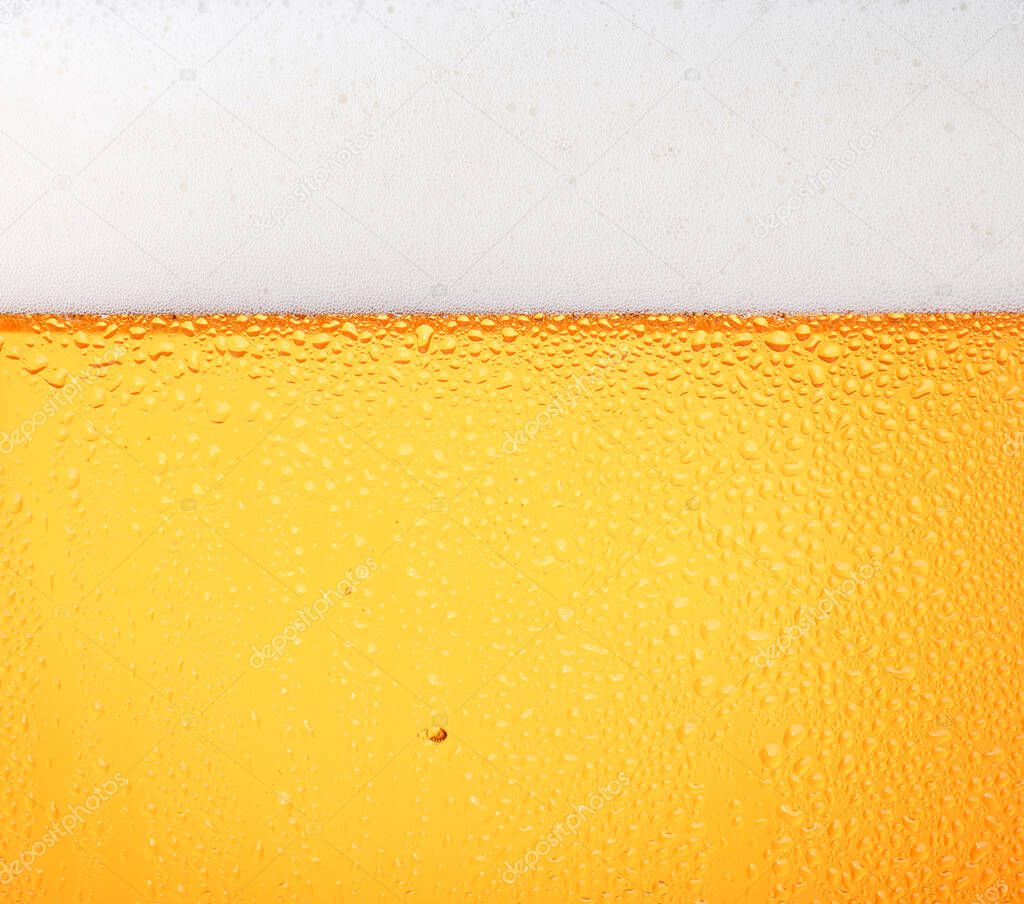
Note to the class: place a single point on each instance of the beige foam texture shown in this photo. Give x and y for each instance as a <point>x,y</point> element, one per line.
<point>397,155</point>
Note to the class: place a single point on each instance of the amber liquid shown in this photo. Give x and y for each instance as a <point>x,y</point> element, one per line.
<point>512,609</point>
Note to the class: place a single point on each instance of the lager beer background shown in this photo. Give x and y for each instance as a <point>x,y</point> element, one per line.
<point>659,608</point>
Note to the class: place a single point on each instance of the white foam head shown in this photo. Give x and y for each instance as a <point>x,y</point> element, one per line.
<point>401,155</point>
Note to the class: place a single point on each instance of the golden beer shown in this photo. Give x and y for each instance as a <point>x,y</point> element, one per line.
<point>512,608</point>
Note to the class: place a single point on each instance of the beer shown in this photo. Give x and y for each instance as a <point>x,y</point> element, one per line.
<point>512,608</point>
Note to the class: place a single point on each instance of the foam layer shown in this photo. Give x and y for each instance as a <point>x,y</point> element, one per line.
<point>383,156</point>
